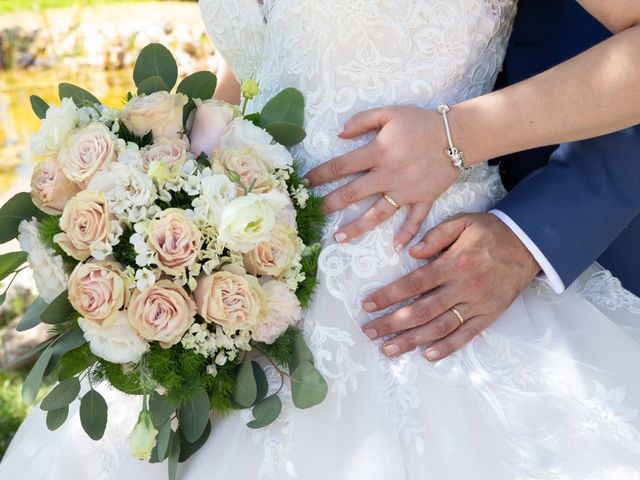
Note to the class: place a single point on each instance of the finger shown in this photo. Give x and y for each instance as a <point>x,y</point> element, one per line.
<point>418,282</point>
<point>348,164</point>
<point>420,312</point>
<point>364,122</point>
<point>439,238</point>
<point>412,225</point>
<point>361,188</point>
<point>380,212</point>
<point>459,338</point>
<point>436,329</point>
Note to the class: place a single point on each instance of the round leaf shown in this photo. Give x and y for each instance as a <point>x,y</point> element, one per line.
<point>266,412</point>
<point>287,134</point>
<point>39,106</point>
<point>55,418</point>
<point>93,414</point>
<point>31,317</point>
<point>152,85</point>
<point>194,415</point>
<point>9,263</point>
<point>61,395</point>
<point>58,311</point>
<point>80,96</point>
<point>262,383</point>
<point>246,390</point>
<point>301,353</point>
<point>308,387</point>
<point>187,449</point>
<point>70,340</point>
<point>161,408</point>
<point>287,107</point>
<point>33,382</point>
<point>18,208</point>
<point>156,60</point>
<point>200,85</point>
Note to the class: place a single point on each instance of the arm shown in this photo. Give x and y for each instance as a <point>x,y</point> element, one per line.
<point>228,88</point>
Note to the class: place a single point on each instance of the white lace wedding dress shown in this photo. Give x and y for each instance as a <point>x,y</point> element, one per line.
<point>550,391</point>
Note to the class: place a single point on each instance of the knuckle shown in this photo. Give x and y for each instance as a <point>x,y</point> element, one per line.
<point>377,215</point>
<point>413,284</point>
<point>336,168</point>
<point>349,194</point>
<point>465,261</point>
<point>441,329</point>
<point>423,314</point>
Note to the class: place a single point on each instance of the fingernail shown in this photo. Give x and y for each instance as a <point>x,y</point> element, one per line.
<point>399,247</point>
<point>419,246</point>
<point>371,333</point>
<point>340,237</point>
<point>305,181</point>
<point>391,349</point>
<point>433,355</point>
<point>340,131</point>
<point>370,306</point>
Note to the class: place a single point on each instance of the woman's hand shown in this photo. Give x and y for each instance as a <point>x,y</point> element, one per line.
<point>407,161</point>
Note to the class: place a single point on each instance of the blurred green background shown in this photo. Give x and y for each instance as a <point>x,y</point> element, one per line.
<point>90,43</point>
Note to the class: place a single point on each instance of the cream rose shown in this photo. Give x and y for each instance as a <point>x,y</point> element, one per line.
<point>170,151</point>
<point>59,122</point>
<point>175,239</point>
<point>243,133</point>
<point>283,311</point>
<point>254,173</point>
<point>211,119</point>
<point>85,151</point>
<point>50,189</point>
<point>116,343</point>
<point>249,220</point>
<point>234,301</point>
<point>163,313</point>
<point>97,292</point>
<point>160,113</point>
<point>84,223</point>
<point>275,256</point>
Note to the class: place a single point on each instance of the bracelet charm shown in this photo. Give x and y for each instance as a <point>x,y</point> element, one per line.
<point>456,156</point>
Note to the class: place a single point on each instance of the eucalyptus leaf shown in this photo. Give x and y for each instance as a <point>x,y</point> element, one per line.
<point>162,443</point>
<point>58,311</point>
<point>80,96</point>
<point>61,395</point>
<point>30,353</point>
<point>3,297</point>
<point>262,383</point>
<point>187,449</point>
<point>254,118</point>
<point>301,353</point>
<point>156,60</point>
<point>200,85</point>
<point>161,408</point>
<point>152,85</point>
<point>33,382</point>
<point>9,263</point>
<point>308,387</point>
<point>246,390</point>
<point>56,418</point>
<point>266,412</point>
<point>31,317</point>
<point>194,415</point>
<point>174,456</point>
<point>287,134</point>
<point>287,107</point>
<point>18,208</point>
<point>39,106</point>
<point>70,340</point>
<point>93,414</point>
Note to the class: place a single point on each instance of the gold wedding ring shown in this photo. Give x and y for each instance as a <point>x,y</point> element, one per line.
<point>391,201</point>
<point>457,313</point>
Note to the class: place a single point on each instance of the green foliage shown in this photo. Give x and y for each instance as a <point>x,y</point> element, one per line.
<point>156,60</point>
<point>93,414</point>
<point>17,208</point>
<point>75,361</point>
<point>246,390</point>
<point>128,136</point>
<point>121,378</point>
<point>221,388</point>
<point>39,106</point>
<point>266,412</point>
<point>309,263</point>
<point>49,227</point>
<point>308,386</point>
<point>124,252</point>
<point>281,352</point>
<point>283,117</point>
<point>80,96</point>
<point>12,409</point>
<point>18,302</point>
<point>152,85</point>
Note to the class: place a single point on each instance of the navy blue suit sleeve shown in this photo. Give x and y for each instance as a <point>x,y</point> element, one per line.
<point>577,205</point>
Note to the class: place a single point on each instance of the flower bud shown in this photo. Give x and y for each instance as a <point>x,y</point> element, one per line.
<point>143,437</point>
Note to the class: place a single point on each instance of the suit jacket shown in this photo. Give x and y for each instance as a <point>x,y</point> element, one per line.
<point>579,202</point>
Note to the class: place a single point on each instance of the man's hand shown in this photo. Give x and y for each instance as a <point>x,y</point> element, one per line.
<point>481,269</point>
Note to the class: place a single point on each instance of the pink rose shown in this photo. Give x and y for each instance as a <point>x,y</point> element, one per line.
<point>254,173</point>
<point>163,313</point>
<point>283,311</point>
<point>160,113</point>
<point>97,292</point>
<point>228,299</point>
<point>170,151</point>
<point>85,151</point>
<point>176,240</point>
<point>84,223</point>
<point>275,256</point>
<point>50,189</point>
<point>211,119</point>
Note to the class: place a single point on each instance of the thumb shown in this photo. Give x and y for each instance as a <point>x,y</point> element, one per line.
<point>439,238</point>
<point>364,122</point>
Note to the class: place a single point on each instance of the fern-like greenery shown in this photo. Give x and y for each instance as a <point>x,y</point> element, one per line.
<point>74,362</point>
<point>309,263</point>
<point>281,352</point>
<point>221,388</point>
<point>311,219</point>
<point>124,252</point>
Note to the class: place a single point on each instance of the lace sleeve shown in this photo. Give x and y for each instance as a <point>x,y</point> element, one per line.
<point>237,29</point>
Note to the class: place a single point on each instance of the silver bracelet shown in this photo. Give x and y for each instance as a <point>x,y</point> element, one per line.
<point>456,156</point>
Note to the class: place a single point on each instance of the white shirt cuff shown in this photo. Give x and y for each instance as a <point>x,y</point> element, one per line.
<point>549,274</point>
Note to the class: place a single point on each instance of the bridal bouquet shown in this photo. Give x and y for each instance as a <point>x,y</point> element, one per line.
<point>173,245</point>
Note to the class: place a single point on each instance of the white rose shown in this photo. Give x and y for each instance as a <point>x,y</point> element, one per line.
<point>243,133</point>
<point>249,220</point>
<point>46,267</point>
<point>87,150</point>
<point>283,311</point>
<point>116,343</point>
<point>125,187</point>
<point>60,120</point>
<point>160,113</point>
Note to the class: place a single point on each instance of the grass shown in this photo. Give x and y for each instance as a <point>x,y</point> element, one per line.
<point>18,5</point>
<point>12,408</point>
